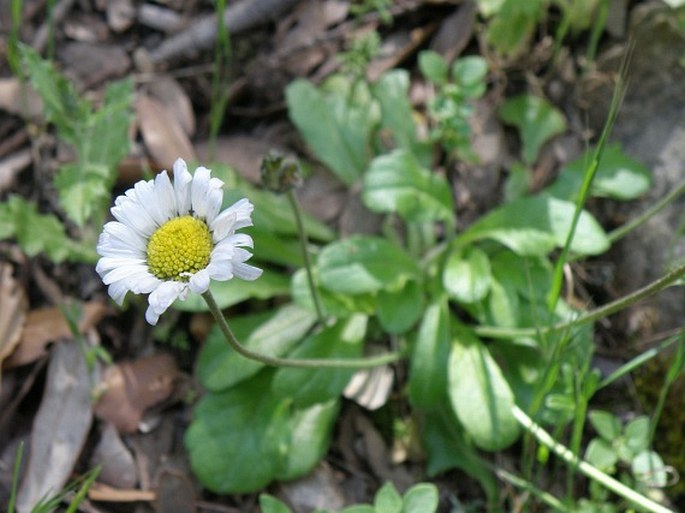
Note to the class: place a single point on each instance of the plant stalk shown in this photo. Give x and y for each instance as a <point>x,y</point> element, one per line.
<point>302,235</point>
<point>605,480</point>
<point>308,363</point>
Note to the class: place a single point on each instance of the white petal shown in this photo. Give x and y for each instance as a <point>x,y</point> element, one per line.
<point>107,263</point>
<point>125,272</point>
<point>240,240</point>
<point>199,282</point>
<point>246,271</point>
<point>117,291</point>
<point>225,223</point>
<point>117,235</point>
<point>182,179</point>
<point>145,192</point>
<point>133,215</point>
<point>198,191</point>
<point>166,194</point>
<point>220,271</point>
<point>161,298</point>
<point>215,198</point>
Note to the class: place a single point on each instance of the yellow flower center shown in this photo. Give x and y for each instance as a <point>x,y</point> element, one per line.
<point>179,248</point>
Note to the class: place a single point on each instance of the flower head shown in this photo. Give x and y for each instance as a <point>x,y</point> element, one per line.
<point>170,238</point>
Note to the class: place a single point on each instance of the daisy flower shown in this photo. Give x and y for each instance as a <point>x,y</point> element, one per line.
<point>169,238</point>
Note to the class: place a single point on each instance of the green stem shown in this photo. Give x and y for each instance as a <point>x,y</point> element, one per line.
<point>591,316</point>
<point>524,484</point>
<point>302,234</point>
<point>592,472</point>
<point>311,363</point>
<point>623,230</point>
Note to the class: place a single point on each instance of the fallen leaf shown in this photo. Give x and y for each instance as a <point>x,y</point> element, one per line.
<point>11,166</point>
<point>12,311</point>
<point>60,426</point>
<point>244,153</point>
<point>163,134</point>
<point>18,99</point>
<point>44,326</point>
<point>370,388</point>
<point>120,14</point>
<point>167,90</point>
<point>131,387</point>
<point>118,467</point>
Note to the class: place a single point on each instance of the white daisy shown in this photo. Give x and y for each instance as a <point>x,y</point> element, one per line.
<point>170,238</point>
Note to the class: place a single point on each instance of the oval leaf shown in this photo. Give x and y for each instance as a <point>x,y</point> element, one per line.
<point>399,310</point>
<point>467,275</point>
<point>479,394</point>
<point>397,183</point>
<point>363,264</point>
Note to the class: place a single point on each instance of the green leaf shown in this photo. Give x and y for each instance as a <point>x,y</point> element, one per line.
<point>503,304</point>
<point>237,438</point>
<point>309,386</point>
<point>310,431</point>
<point>392,93</point>
<point>649,469</point>
<point>274,334</point>
<point>359,508</point>
<point>606,424</point>
<point>467,275</point>
<point>601,454</point>
<point>270,504</point>
<point>387,499</point>
<point>335,305</point>
<point>469,72</point>
<point>433,66</point>
<point>428,371</point>
<point>479,394</point>
<point>637,434</point>
<point>513,25</point>
<point>336,131</point>
<point>421,498</point>
<point>61,103</point>
<point>534,226</point>
<point>618,177</point>
<point>397,183</point>
<point>537,121</point>
<point>231,292</point>
<point>40,233</point>
<point>399,310</point>
<point>364,264</point>
<point>447,448</point>
<point>81,191</point>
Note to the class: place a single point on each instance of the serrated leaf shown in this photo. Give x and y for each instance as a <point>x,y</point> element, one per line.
<point>40,233</point>
<point>309,386</point>
<point>479,394</point>
<point>396,182</point>
<point>537,121</point>
<point>363,264</point>
<point>336,131</point>
<point>274,334</point>
<point>428,371</point>
<point>237,438</point>
<point>469,72</point>
<point>81,191</point>
<point>533,226</point>
<point>467,275</point>
<point>310,436</point>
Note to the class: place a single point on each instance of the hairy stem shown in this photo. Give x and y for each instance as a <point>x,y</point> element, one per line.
<point>311,363</point>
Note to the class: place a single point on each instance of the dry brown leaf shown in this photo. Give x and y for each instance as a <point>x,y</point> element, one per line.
<point>18,102</point>
<point>44,326</point>
<point>118,467</point>
<point>13,308</point>
<point>120,14</point>
<point>167,90</point>
<point>132,387</point>
<point>60,426</point>
<point>370,388</point>
<point>12,165</point>
<point>244,153</point>
<point>163,134</point>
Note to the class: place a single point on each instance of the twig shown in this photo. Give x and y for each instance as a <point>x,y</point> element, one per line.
<point>238,17</point>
